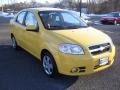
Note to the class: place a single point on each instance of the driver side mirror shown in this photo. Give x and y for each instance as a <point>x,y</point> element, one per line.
<point>31,28</point>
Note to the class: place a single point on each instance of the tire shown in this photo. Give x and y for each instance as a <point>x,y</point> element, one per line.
<point>104,23</point>
<point>48,64</point>
<point>14,43</point>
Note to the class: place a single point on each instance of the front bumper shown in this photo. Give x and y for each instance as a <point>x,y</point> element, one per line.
<point>87,63</point>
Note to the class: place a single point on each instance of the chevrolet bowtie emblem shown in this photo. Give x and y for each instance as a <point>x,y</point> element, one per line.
<point>102,48</point>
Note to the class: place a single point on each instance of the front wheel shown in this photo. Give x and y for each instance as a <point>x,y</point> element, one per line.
<point>49,65</point>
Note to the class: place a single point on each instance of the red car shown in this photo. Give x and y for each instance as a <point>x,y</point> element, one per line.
<point>112,18</point>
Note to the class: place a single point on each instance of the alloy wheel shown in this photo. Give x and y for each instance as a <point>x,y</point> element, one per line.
<point>47,65</point>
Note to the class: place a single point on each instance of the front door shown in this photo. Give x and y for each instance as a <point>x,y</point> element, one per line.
<point>32,38</point>
<point>19,28</point>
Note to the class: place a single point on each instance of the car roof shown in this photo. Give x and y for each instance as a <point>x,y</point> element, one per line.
<point>45,9</point>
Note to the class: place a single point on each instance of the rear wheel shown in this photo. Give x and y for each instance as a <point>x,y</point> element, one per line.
<point>49,65</point>
<point>14,43</point>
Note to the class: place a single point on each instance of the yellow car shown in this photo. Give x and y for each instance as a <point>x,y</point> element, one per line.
<point>62,41</point>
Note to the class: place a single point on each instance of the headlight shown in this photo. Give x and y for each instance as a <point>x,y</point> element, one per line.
<point>71,49</point>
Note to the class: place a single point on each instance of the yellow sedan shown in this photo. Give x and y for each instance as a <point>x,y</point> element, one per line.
<point>62,41</point>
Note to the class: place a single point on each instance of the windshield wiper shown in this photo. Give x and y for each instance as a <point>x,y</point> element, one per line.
<point>56,27</point>
<point>72,27</point>
<point>64,27</point>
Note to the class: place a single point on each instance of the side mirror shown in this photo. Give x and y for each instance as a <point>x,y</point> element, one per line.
<point>31,28</point>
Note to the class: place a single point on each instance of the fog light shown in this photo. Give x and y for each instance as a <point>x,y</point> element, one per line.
<point>75,70</point>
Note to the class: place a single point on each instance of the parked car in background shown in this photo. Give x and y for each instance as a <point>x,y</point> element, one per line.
<point>112,18</point>
<point>63,42</point>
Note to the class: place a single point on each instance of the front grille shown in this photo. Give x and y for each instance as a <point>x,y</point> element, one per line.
<point>99,49</point>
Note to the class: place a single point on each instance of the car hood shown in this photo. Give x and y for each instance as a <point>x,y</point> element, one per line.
<point>85,36</point>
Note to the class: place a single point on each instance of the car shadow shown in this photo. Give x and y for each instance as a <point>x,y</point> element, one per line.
<point>21,71</point>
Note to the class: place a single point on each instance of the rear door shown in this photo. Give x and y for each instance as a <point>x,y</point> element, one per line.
<point>19,28</point>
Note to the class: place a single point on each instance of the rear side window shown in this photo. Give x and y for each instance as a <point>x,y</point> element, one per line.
<point>20,17</point>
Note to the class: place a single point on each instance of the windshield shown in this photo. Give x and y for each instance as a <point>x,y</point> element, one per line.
<point>114,14</point>
<point>56,20</point>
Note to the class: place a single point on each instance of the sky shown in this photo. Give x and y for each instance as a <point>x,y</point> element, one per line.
<point>41,1</point>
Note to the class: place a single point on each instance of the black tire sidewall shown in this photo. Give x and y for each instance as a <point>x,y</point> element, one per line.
<point>17,47</point>
<point>55,70</point>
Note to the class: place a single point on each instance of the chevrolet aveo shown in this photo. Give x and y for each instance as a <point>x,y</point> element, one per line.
<point>62,41</point>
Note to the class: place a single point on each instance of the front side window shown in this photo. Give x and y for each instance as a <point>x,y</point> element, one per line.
<point>20,17</point>
<point>56,20</point>
<point>30,20</point>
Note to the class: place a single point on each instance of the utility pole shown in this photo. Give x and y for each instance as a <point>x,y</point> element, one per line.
<point>80,6</point>
<point>2,5</point>
<point>88,6</point>
<point>59,2</point>
<point>2,8</point>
